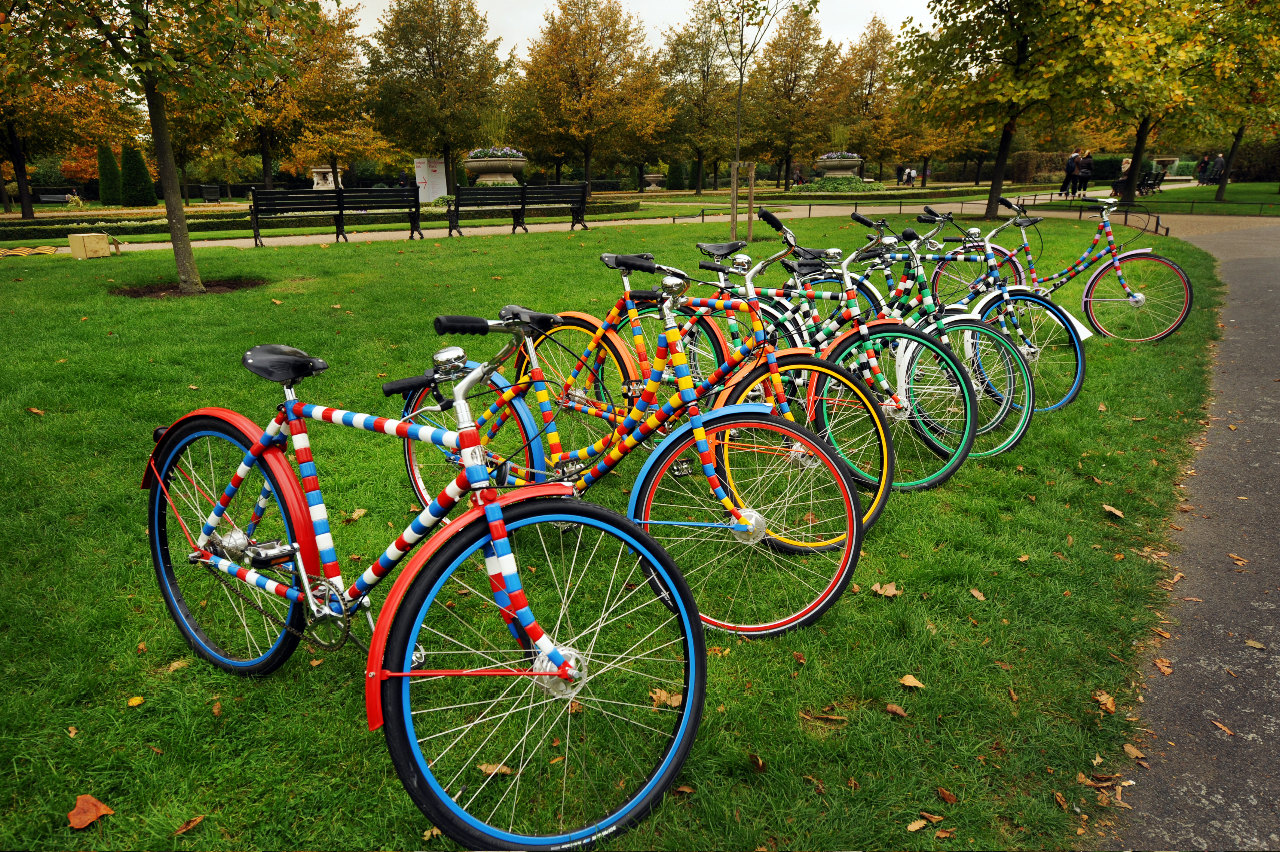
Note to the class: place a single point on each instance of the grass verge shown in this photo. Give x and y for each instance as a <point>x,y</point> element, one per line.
<point>1006,719</point>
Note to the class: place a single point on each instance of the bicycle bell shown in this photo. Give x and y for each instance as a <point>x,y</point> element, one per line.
<point>832,254</point>
<point>741,262</point>
<point>674,286</point>
<point>449,362</point>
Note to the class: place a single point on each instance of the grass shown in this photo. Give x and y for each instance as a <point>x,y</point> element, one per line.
<point>1005,720</point>
<point>1242,199</point>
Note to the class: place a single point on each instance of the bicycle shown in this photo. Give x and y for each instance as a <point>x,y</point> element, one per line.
<point>762,512</point>
<point>1137,295</point>
<point>508,730</point>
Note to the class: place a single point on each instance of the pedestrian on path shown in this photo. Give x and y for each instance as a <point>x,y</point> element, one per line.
<point>901,170</point>
<point>1068,182</point>
<point>1084,171</point>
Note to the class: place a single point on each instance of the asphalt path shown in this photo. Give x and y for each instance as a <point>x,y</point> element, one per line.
<point>1210,788</point>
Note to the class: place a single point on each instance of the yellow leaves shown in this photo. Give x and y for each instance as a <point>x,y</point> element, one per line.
<point>1113,510</point>
<point>432,833</point>
<point>1133,751</point>
<point>910,681</point>
<point>1223,727</point>
<point>888,590</point>
<point>662,698</point>
<point>1165,667</point>
<point>178,664</point>
<point>895,710</point>
<point>916,825</point>
<point>1105,701</point>
<point>189,824</point>
<point>136,701</point>
<point>37,412</point>
<point>977,594</point>
<point>1254,643</point>
<point>87,811</point>
<point>1060,799</point>
<point>494,769</point>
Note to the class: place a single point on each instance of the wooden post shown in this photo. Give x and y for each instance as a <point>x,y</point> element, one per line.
<point>733,200</point>
<point>751,197</point>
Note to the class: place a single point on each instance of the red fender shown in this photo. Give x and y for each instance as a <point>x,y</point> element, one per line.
<point>378,645</point>
<point>294,500</point>
<point>623,348</point>
<point>747,366</point>
<point>873,323</point>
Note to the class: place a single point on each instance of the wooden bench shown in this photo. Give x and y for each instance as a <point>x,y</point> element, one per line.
<point>517,200</point>
<point>266,204</point>
<point>1150,182</point>
<point>52,199</point>
<point>211,193</point>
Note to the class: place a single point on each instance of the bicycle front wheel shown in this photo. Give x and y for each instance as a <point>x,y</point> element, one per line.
<point>238,626</point>
<point>802,549</point>
<point>1002,384</point>
<point>536,762</point>
<point>1160,303</point>
<point>1046,337</point>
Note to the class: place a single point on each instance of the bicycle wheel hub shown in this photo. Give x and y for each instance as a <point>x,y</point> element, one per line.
<point>558,686</point>
<point>802,458</point>
<point>756,521</point>
<point>233,544</point>
<point>1138,299</point>
<point>1031,353</point>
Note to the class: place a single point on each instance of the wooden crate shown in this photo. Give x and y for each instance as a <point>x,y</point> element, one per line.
<point>84,246</point>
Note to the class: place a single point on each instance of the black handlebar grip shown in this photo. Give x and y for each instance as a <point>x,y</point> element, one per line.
<point>461,325</point>
<point>926,220</point>
<point>932,212</point>
<point>404,386</point>
<point>954,239</point>
<point>712,266</point>
<point>771,220</point>
<point>862,220</point>
<point>910,235</point>
<point>1004,202</point>
<point>637,264</point>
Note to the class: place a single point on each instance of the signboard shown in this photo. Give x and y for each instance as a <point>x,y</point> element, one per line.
<point>429,175</point>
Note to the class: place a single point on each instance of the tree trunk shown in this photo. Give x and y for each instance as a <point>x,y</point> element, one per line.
<point>264,151</point>
<point>715,175</point>
<point>786,180</point>
<point>698,181</point>
<point>640,181</point>
<point>924,172</point>
<point>18,157</point>
<point>586,166</point>
<point>1221,194</point>
<point>450,172</point>
<point>559,163</point>
<point>1130,188</point>
<point>997,171</point>
<point>184,257</point>
<point>4,196</point>
<point>977,171</point>
<point>733,199</point>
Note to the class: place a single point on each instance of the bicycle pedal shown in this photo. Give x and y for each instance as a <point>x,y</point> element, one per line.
<point>269,554</point>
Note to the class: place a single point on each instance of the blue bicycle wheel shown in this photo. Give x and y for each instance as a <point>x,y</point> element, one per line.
<point>1048,340</point>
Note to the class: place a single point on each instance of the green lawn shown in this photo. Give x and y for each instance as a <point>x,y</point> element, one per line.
<point>1005,721</point>
<point>1242,199</point>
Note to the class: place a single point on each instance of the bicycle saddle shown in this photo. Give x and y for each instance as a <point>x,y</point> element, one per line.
<point>804,268</point>
<point>611,260</point>
<point>1028,221</point>
<point>278,363</point>
<point>719,251</point>
<point>531,320</point>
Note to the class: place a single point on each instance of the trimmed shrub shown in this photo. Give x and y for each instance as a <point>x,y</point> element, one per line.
<point>460,176</point>
<point>136,187</point>
<point>108,177</point>
<point>675,176</point>
<point>840,185</point>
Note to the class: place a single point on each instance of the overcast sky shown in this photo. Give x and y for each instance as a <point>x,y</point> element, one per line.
<point>516,21</point>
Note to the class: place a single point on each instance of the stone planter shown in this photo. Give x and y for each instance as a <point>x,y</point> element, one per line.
<point>322,177</point>
<point>654,180</point>
<point>495,169</point>
<point>842,168</point>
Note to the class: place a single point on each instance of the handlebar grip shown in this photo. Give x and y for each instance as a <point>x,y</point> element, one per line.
<point>771,220</point>
<point>862,220</point>
<point>712,266</point>
<point>1004,202</point>
<point>954,239</point>
<point>461,325</point>
<point>637,264</point>
<point>932,212</point>
<point>910,235</point>
<point>405,386</point>
<point>926,220</point>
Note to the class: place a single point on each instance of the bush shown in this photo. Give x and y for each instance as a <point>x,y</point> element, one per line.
<point>1025,165</point>
<point>108,177</point>
<point>1185,168</point>
<point>840,185</point>
<point>1106,167</point>
<point>460,176</point>
<point>675,176</point>
<point>136,187</point>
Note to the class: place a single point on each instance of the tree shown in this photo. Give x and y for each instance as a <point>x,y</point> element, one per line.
<point>794,87</point>
<point>871,97</point>
<point>590,80</point>
<point>153,47</point>
<point>137,189</point>
<point>108,177</point>
<point>698,90</point>
<point>998,62</point>
<point>431,87</point>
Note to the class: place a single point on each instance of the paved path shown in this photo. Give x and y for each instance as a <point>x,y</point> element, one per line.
<point>1207,789</point>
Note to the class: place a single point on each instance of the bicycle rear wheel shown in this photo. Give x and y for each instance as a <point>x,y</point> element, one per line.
<point>1160,304</point>
<point>802,551</point>
<point>1046,337</point>
<point>239,627</point>
<point>1002,385</point>
<point>953,280</point>
<point>532,762</point>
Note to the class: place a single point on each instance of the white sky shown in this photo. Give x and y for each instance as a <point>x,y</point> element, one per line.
<point>516,21</point>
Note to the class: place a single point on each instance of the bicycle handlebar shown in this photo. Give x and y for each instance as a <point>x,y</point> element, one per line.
<point>771,220</point>
<point>447,324</point>
<point>711,266</point>
<point>406,386</point>
<point>862,220</point>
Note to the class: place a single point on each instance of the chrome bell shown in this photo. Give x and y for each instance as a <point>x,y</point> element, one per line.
<point>449,362</point>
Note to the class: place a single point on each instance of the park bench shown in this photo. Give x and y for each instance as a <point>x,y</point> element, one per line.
<point>52,199</point>
<point>268,204</point>
<point>211,193</point>
<point>1150,182</point>
<point>517,200</point>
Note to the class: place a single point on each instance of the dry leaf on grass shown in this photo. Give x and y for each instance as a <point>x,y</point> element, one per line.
<point>1133,751</point>
<point>757,763</point>
<point>818,786</point>
<point>1105,701</point>
<point>977,594</point>
<point>356,515</point>
<point>888,590</point>
<point>494,768</point>
<point>1097,759</point>
<point>799,657</point>
<point>1013,696</point>
<point>910,680</point>
<point>71,732</point>
<point>916,825</point>
<point>895,710</point>
<point>1163,634</point>
<point>931,817</point>
<point>1060,799</point>
<point>178,664</point>
<point>1224,728</point>
<point>432,833</point>
<point>944,834</point>
<point>1113,510</point>
<point>136,701</point>
<point>1024,558</point>
<point>683,790</point>
<point>947,796</point>
<point>87,811</point>
<point>36,412</point>
<point>217,708</point>
<point>662,697</point>
<point>190,824</point>
<point>1102,406</point>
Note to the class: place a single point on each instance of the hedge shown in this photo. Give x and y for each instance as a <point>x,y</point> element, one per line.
<point>136,187</point>
<point>108,176</point>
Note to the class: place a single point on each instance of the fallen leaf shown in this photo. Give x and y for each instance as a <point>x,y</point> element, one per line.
<point>1224,727</point>
<point>1194,600</point>
<point>1133,751</point>
<point>1163,664</point>
<point>1071,542</point>
<point>683,790</point>
<point>190,824</point>
<point>799,657</point>
<point>315,663</point>
<point>916,825</point>
<point>1060,799</point>
<point>1254,643</point>
<point>757,762</point>
<point>194,387</point>
<point>217,708</point>
<point>1013,696</point>
<point>156,750</point>
<point>557,758</point>
<point>1102,406</point>
<point>432,833</point>
<point>1113,510</point>
<point>1023,558</point>
<point>854,785</point>
<point>977,594</point>
<point>575,707</point>
<point>1239,560</point>
<point>36,412</point>
<point>72,731</point>
<point>142,647</point>
<point>910,680</point>
<point>818,786</point>
<point>1164,634</point>
<point>178,664</point>
<point>662,697</point>
<point>494,768</point>
<point>1105,701</point>
<point>87,810</point>
<point>136,700</point>
<point>931,817</point>
<point>276,302</point>
<point>355,516</point>
<point>1232,428</point>
<point>1176,527</point>
<point>947,796</point>
<point>1097,759</point>
<point>944,834</point>
<point>895,710</point>
<point>889,590</point>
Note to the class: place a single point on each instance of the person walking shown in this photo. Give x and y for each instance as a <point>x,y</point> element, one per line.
<point>901,170</point>
<point>1202,169</point>
<point>1084,171</point>
<point>1068,182</point>
<point>1219,166</point>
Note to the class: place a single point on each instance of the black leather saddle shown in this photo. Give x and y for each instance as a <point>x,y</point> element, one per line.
<point>719,251</point>
<point>278,363</point>
<point>805,268</point>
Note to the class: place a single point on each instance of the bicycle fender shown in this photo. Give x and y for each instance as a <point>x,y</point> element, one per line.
<point>980,308</point>
<point>424,554</point>
<point>747,367</point>
<point>275,459</point>
<point>709,419</point>
<point>623,348</point>
<point>875,323</point>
